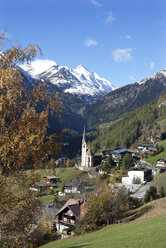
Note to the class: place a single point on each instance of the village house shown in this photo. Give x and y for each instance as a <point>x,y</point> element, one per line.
<point>39,186</point>
<point>154,139</point>
<point>71,187</point>
<point>49,182</point>
<point>50,179</point>
<point>138,172</point>
<point>160,169</point>
<point>68,216</point>
<point>147,148</point>
<point>118,155</point>
<point>106,152</point>
<point>161,162</point>
<point>134,153</point>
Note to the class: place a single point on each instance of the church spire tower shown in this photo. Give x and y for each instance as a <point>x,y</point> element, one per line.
<point>84,136</point>
<point>87,159</point>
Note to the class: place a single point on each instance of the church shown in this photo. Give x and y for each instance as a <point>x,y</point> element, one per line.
<point>87,157</point>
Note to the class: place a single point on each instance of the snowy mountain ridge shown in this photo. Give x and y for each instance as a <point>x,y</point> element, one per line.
<point>79,81</point>
<point>158,75</point>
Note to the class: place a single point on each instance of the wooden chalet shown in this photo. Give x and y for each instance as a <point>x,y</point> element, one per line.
<point>67,217</point>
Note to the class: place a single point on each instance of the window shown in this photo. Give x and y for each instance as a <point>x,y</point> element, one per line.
<point>72,221</point>
<point>65,219</point>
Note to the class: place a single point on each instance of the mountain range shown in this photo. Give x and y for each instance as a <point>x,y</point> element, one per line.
<point>79,81</point>
<point>126,99</point>
<point>90,99</point>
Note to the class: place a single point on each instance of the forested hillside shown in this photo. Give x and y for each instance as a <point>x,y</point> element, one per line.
<point>125,99</point>
<point>136,126</point>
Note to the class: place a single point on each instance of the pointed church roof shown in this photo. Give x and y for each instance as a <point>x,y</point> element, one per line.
<point>84,136</point>
<point>89,153</point>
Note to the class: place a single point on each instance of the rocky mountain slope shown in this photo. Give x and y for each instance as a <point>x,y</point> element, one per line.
<point>125,99</point>
<point>78,87</point>
<point>80,81</point>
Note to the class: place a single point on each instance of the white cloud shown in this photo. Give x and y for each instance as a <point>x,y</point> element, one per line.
<point>151,65</point>
<point>132,78</point>
<point>122,55</point>
<point>128,37</point>
<point>89,42</point>
<point>96,3</point>
<point>109,18</point>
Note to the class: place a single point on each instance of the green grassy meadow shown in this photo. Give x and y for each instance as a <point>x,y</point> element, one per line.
<point>153,159</point>
<point>162,122</point>
<point>162,181</point>
<point>141,234</point>
<point>64,174</point>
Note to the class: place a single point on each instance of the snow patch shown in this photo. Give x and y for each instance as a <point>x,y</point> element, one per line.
<point>79,81</point>
<point>38,66</point>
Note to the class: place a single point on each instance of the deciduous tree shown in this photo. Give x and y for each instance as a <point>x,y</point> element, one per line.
<point>24,143</point>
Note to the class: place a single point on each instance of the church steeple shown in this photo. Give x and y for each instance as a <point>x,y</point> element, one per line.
<point>83,137</point>
<point>87,159</point>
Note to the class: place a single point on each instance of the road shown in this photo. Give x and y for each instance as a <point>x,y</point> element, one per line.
<point>140,193</point>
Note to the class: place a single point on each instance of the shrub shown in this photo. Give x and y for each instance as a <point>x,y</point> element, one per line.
<point>162,192</point>
<point>136,180</point>
<point>151,194</point>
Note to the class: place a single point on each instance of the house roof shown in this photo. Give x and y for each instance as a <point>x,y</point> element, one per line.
<point>135,169</point>
<point>106,151</point>
<point>161,167</point>
<point>68,203</point>
<point>75,209</point>
<point>71,183</point>
<point>119,151</point>
<point>162,159</point>
<point>146,145</point>
<point>50,177</point>
<point>41,184</point>
<point>140,168</point>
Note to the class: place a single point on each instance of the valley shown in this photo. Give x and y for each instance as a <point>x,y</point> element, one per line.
<point>73,182</point>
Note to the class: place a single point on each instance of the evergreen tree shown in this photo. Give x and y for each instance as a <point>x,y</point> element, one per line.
<point>151,194</point>
<point>127,161</point>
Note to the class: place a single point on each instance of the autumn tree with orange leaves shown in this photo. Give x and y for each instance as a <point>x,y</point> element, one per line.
<point>24,143</point>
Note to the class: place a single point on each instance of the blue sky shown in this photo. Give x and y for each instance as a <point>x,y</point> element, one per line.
<point>122,40</point>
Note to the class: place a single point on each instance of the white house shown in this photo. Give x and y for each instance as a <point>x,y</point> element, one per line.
<point>133,174</point>
<point>161,162</point>
<point>71,187</point>
<point>140,172</point>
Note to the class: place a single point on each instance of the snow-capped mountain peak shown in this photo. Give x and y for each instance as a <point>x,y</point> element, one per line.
<point>38,66</point>
<point>158,75</point>
<point>79,81</point>
<point>81,69</point>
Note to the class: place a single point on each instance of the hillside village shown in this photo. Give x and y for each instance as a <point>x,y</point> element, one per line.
<point>82,124</point>
<point>136,178</point>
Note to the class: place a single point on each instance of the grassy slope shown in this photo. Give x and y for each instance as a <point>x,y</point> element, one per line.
<point>162,122</point>
<point>162,181</point>
<point>153,159</point>
<point>64,174</point>
<point>146,232</point>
